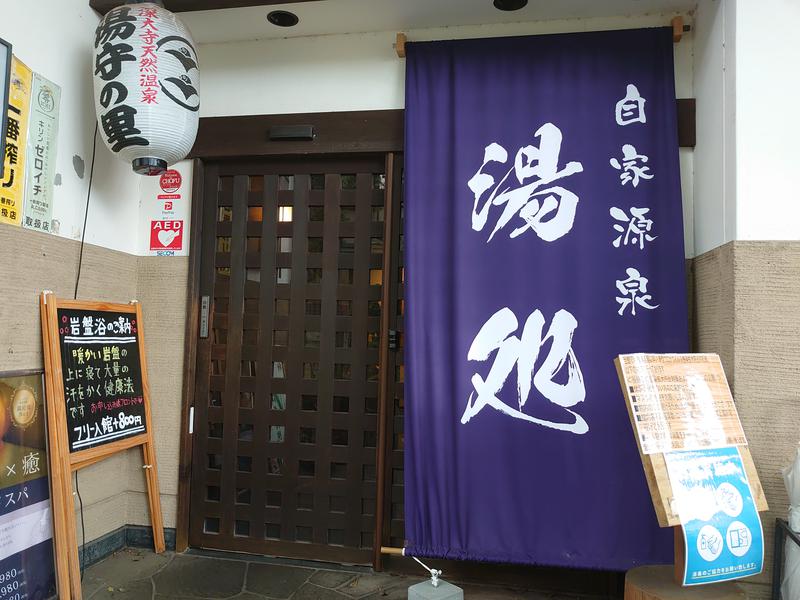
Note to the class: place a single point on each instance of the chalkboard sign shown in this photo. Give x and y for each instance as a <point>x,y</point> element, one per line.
<point>98,404</point>
<point>102,375</point>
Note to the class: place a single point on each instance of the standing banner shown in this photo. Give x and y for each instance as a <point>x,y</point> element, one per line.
<point>544,237</point>
<point>41,158</point>
<point>12,184</point>
<point>27,569</point>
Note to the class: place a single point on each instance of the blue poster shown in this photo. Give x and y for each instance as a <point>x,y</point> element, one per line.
<point>721,527</point>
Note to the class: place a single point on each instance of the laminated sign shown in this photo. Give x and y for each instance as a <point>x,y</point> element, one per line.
<point>722,530</point>
<point>41,159</point>
<point>680,402</point>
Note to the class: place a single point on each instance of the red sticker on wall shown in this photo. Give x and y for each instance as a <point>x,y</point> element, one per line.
<point>171,181</point>
<point>166,235</point>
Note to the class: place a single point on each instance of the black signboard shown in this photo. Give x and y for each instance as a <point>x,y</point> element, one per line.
<point>102,376</point>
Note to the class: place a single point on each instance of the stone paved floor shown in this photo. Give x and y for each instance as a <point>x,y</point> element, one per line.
<point>134,574</point>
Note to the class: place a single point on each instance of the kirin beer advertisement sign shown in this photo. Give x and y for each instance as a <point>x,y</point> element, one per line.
<point>166,204</point>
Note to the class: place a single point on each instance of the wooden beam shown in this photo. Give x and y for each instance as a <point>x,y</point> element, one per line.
<point>400,45</point>
<point>677,29</point>
<point>339,133</point>
<point>103,6</point>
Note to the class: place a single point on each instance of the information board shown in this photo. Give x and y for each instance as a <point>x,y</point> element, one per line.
<point>27,569</point>
<point>698,467</point>
<point>680,402</point>
<point>102,375</point>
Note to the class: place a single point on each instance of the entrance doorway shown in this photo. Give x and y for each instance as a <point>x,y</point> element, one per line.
<point>297,271</point>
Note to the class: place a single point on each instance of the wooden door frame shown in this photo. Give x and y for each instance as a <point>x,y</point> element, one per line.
<point>247,137</point>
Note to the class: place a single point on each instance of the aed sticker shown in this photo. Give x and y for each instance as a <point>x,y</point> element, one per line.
<point>166,235</point>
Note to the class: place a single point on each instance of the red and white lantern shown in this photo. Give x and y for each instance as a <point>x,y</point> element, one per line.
<point>146,82</point>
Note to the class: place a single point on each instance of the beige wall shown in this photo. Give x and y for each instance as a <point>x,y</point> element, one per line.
<point>747,299</point>
<point>162,284</point>
<point>112,490</point>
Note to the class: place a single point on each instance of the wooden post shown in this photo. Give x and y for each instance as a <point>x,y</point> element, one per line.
<point>58,448</point>
<point>677,29</point>
<point>680,555</point>
<point>384,404</point>
<point>400,45</point>
<point>56,467</point>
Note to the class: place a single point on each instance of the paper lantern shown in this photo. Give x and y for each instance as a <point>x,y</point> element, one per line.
<point>146,86</point>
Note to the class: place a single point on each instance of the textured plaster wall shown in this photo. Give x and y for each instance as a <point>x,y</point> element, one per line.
<point>36,262</point>
<point>162,285</point>
<point>112,490</point>
<point>747,309</point>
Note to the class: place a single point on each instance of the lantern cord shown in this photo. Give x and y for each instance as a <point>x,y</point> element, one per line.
<point>75,297</point>
<point>86,211</point>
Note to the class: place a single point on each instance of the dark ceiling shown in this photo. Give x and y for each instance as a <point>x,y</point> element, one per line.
<point>103,6</point>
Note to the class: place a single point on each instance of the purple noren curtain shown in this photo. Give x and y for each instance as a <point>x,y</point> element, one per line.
<point>543,236</point>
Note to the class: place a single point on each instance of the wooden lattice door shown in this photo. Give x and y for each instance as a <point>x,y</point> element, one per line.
<point>287,385</point>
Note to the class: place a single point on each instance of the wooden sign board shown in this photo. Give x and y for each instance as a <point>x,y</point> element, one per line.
<point>98,404</point>
<point>680,402</point>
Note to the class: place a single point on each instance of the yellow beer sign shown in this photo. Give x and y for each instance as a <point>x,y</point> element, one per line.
<point>12,185</point>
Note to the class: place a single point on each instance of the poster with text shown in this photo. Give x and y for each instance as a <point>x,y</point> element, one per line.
<point>722,530</point>
<point>27,570</point>
<point>41,154</point>
<point>165,214</point>
<point>12,184</point>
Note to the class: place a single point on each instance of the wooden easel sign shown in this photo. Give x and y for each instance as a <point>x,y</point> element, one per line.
<point>98,404</point>
<point>696,461</point>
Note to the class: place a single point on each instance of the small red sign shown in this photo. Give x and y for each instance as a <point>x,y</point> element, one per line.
<point>166,235</point>
<point>171,181</point>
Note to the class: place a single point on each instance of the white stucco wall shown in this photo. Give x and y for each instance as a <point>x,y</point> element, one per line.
<point>767,123</point>
<point>54,38</point>
<point>715,153</point>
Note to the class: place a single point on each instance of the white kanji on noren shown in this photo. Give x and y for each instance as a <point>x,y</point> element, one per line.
<point>633,230</point>
<point>525,190</point>
<point>632,166</point>
<point>631,108</point>
<point>634,292</point>
<point>497,336</point>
